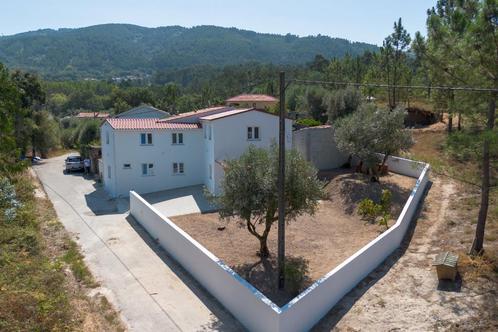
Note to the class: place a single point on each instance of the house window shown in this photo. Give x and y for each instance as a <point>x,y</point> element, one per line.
<point>127,166</point>
<point>146,138</point>
<point>178,168</point>
<point>210,172</point>
<point>106,137</point>
<point>147,169</point>
<point>177,138</point>
<point>109,172</point>
<point>253,133</point>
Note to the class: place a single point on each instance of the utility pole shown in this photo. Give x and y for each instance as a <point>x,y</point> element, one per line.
<point>281,185</point>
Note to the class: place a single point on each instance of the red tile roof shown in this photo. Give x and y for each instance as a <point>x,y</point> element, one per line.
<point>251,98</point>
<point>194,113</point>
<point>235,112</point>
<point>227,113</point>
<point>137,124</point>
<point>92,115</point>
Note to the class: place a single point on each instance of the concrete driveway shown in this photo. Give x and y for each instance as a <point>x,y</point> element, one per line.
<point>180,201</point>
<point>151,292</point>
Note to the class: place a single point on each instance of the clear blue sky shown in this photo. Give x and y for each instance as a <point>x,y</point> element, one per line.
<point>357,20</point>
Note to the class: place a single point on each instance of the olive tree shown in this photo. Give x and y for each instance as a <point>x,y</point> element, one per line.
<point>249,191</point>
<point>342,102</point>
<point>370,131</point>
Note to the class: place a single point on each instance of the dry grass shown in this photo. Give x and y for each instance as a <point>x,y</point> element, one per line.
<point>43,280</point>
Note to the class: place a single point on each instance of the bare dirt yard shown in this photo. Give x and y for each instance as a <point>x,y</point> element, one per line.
<point>314,244</point>
<point>404,294</point>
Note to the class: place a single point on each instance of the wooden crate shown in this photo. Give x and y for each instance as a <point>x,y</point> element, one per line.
<point>446,264</point>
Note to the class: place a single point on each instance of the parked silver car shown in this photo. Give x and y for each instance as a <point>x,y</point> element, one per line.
<point>74,163</point>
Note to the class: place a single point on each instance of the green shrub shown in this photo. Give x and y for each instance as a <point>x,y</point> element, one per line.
<point>296,274</point>
<point>371,211</point>
<point>368,210</point>
<point>308,122</point>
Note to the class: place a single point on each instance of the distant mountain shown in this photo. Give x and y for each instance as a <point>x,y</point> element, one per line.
<point>107,50</point>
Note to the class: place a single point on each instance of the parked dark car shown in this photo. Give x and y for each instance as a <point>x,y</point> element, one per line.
<point>74,163</point>
<point>36,160</point>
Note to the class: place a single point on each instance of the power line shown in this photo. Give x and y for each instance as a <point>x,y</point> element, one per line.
<point>380,85</point>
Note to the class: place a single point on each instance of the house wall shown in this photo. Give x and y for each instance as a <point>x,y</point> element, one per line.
<point>230,137</point>
<point>228,141</point>
<point>162,153</point>
<point>209,157</point>
<point>253,309</point>
<point>317,145</point>
<point>108,159</point>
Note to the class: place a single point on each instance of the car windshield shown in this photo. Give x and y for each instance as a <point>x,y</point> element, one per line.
<point>74,159</point>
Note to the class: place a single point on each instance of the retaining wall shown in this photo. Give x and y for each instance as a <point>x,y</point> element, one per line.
<point>248,305</point>
<point>317,145</point>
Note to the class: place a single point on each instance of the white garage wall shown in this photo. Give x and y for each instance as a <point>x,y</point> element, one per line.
<point>317,145</point>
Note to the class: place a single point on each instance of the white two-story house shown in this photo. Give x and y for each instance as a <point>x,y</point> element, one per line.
<point>149,155</point>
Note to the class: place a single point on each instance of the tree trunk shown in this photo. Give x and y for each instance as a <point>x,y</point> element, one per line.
<point>384,160</point>
<point>450,123</point>
<point>478,244</point>
<point>459,124</point>
<point>263,247</point>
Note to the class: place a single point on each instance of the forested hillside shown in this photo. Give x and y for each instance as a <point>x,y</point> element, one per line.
<point>103,51</point>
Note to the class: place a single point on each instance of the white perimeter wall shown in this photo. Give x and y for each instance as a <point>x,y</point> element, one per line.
<point>317,145</point>
<point>309,307</point>
<point>252,308</point>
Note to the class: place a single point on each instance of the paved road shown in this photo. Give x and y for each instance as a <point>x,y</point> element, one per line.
<point>151,292</point>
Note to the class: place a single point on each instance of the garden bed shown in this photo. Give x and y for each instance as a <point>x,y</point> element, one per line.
<point>314,244</point>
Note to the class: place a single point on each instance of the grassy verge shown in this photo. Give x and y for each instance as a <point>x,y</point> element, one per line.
<point>43,280</point>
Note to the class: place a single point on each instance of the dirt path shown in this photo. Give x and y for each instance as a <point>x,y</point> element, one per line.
<point>404,294</point>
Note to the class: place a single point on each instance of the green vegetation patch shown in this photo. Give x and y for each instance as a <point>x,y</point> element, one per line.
<point>34,292</point>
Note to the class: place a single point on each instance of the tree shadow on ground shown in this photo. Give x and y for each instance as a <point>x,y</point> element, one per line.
<point>341,308</point>
<point>354,187</point>
<point>222,319</point>
<point>263,275</point>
